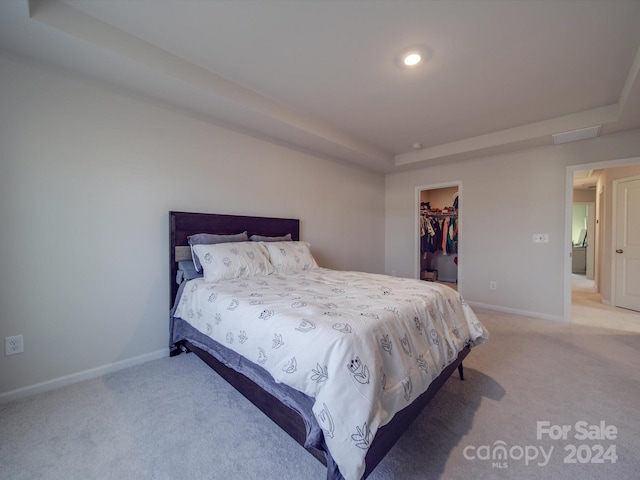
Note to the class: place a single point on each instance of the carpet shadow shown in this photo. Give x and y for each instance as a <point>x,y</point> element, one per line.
<point>424,449</point>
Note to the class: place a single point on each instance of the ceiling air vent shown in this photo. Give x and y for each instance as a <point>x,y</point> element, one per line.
<point>574,135</point>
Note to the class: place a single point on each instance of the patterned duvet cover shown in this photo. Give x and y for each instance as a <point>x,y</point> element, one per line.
<point>364,346</point>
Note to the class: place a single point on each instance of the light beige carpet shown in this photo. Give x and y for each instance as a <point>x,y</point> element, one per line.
<point>587,308</point>
<point>176,418</point>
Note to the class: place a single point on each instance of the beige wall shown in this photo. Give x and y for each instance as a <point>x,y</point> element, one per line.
<point>584,196</point>
<point>504,200</point>
<point>87,177</point>
<point>439,197</point>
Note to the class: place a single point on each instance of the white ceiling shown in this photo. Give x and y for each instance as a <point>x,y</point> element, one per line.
<point>321,76</point>
<point>586,179</point>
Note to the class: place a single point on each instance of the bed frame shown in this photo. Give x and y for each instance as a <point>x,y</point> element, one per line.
<point>183,224</point>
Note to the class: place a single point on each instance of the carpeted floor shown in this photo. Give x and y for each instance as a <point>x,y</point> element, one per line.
<point>175,417</point>
<point>587,308</point>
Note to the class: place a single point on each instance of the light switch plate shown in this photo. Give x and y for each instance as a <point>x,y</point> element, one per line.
<point>540,238</point>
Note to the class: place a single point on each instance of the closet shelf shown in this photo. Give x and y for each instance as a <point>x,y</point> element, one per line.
<point>431,213</point>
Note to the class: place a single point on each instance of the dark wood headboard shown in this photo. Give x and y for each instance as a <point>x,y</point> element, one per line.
<point>183,224</point>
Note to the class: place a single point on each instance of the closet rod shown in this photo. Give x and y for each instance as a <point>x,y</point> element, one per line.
<point>439,214</point>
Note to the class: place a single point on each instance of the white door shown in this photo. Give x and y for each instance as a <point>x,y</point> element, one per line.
<point>627,244</point>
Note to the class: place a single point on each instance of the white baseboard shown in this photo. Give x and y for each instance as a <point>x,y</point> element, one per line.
<point>514,311</point>
<point>80,376</point>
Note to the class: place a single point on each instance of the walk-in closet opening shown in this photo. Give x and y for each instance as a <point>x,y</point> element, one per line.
<point>439,233</point>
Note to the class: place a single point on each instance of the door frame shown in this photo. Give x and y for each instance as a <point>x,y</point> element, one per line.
<point>416,234</point>
<point>568,214</point>
<point>614,234</point>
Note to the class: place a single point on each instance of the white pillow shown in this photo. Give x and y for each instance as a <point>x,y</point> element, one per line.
<point>224,261</point>
<point>290,255</point>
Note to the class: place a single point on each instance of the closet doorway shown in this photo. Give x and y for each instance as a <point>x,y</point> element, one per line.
<point>439,233</point>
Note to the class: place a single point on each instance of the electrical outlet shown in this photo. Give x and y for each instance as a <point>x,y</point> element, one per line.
<point>493,285</point>
<point>13,345</point>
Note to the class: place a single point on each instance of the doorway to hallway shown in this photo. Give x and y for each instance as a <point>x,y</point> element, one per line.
<point>593,303</point>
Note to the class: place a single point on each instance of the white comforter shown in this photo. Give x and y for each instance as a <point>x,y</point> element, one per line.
<point>363,345</point>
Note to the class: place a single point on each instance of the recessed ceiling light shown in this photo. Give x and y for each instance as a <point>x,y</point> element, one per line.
<point>412,59</point>
<point>414,56</point>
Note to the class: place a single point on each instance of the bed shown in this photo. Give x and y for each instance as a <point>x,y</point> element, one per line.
<point>277,334</point>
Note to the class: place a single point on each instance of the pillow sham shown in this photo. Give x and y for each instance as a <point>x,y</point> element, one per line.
<point>290,256</point>
<point>261,238</point>
<point>223,261</point>
<point>211,239</point>
<point>186,271</point>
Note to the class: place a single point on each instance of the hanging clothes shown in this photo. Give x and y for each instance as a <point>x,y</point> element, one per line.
<point>438,233</point>
<point>445,235</point>
<point>451,236</point>
<point>437,236</point>
<point>431,234</point>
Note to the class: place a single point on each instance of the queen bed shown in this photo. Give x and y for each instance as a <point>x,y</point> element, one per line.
<point>342,361</point>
